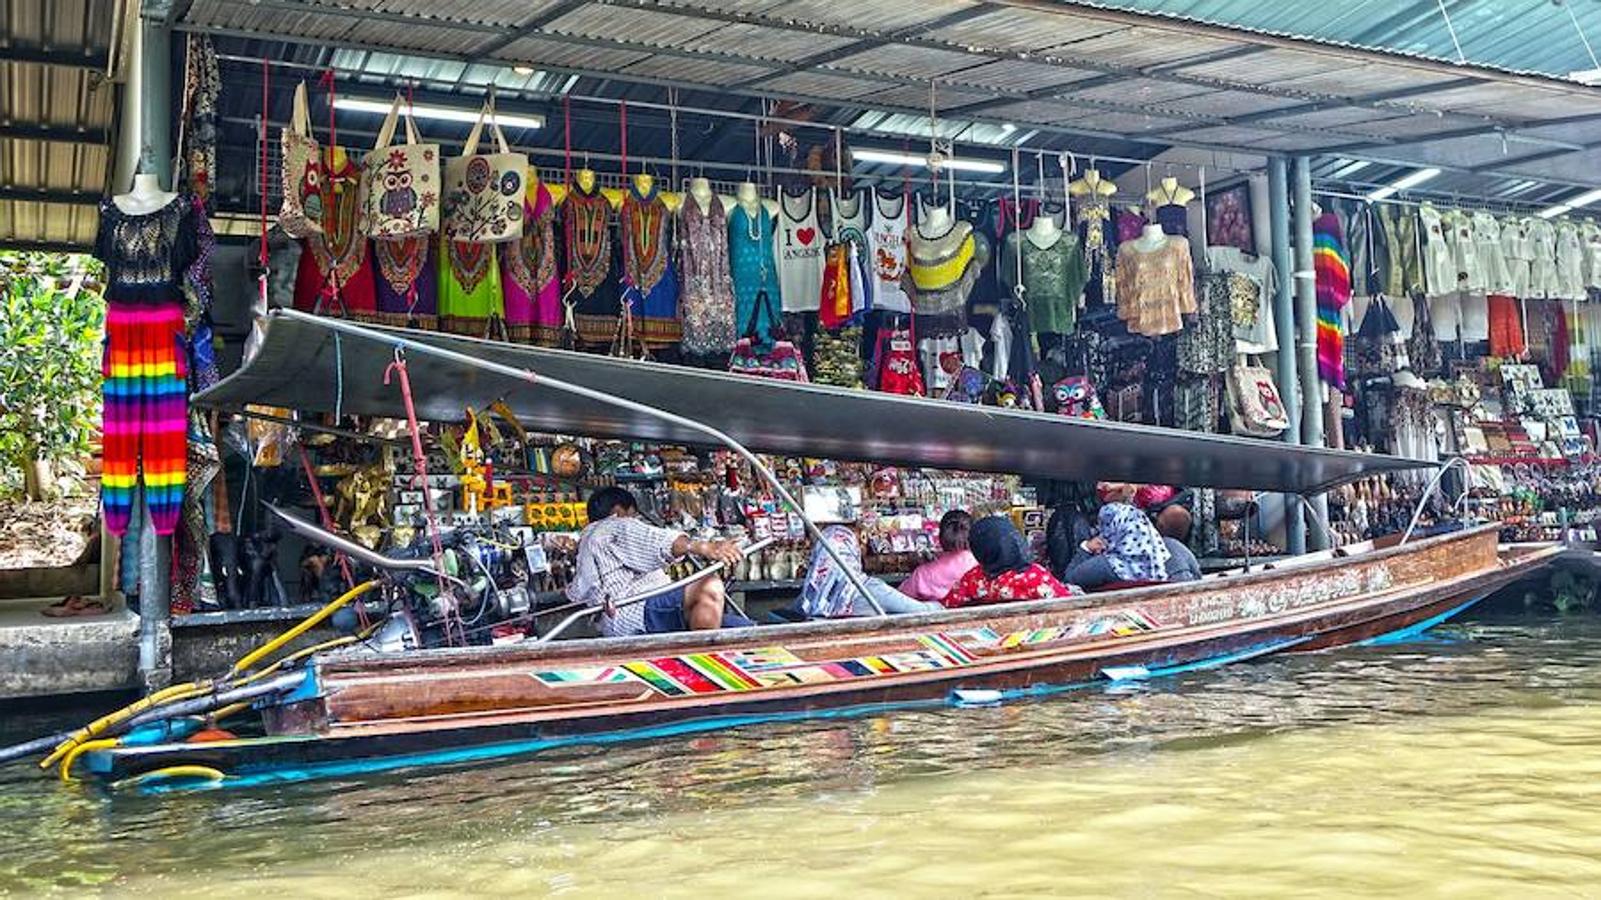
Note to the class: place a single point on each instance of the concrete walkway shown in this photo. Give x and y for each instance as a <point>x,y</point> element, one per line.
<point>42,656</point>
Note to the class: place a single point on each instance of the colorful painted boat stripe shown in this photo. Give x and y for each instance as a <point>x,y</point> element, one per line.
<point>766,667</point>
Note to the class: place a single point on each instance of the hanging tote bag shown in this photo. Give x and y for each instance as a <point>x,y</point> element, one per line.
<point>300,216</point>
<point>1255,407</point>
<point>400,183</point>
<point>484,192</point>
<point>782,361</point>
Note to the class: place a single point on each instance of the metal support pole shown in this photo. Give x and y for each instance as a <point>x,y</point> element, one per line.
<point>1278,187</point>
<point>1306,326</point>
<point>155,93</point>
<point>155,158</point>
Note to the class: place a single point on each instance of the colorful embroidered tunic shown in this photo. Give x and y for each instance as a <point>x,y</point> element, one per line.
<point>407,282</point>
<point>586,227</point>
<point>469,287</point>
<point>528,275</point>
<point>650,286</point>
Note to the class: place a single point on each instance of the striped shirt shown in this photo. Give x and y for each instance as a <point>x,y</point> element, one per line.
<point>619,557</point>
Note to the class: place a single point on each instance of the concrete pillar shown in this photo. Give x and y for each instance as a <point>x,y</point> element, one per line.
<point>1306,330</point>
<point>1284,323</point>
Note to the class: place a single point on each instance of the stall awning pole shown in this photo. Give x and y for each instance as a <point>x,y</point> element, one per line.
<point>1283,300</point>
<point>1306,327</point>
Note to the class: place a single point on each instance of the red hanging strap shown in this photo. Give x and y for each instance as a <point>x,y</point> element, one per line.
<point>327,81</point>
<point>266,81</point>
<point>622,118</point>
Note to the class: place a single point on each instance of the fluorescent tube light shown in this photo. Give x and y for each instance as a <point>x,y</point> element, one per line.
<point>906,159</point>
<point>440,113</point>
<point>1584,199</point>
<point>1404,182</point>
<point>1350,167</point>
<point>1554,211</point>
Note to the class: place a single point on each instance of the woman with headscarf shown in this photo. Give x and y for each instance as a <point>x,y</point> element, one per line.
<point>1004,572</point>
<point>827,592</point>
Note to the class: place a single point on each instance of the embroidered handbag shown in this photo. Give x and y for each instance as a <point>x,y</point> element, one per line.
<point>782,360</point>
<point>1255,407</point>
<point>400,183</point>
<point>1076,398</point>
<point>484,192</point>
<point>300,215</point>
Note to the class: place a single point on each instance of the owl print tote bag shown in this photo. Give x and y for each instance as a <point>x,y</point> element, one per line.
<point>484,191</point>
<point>301,213</point>
<point>401,182</point>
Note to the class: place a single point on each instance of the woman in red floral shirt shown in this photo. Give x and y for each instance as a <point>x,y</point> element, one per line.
<point>1004,572</point>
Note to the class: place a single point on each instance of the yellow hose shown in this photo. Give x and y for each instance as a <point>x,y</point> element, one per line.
<point>175,692</point>
<point>79,750</point>
<point>185,771</point>
<point>190,690</point>
<point>305,625</point>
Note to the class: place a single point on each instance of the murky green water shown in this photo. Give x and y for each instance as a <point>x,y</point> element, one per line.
<point>1463,766</point>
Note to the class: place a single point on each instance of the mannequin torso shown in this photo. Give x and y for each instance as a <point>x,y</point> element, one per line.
<point>1092,184</point>
<point>700,191</point>
<point>1043,233</point>
<point>1169,191</point>
<point>145,198</point>
<point>1151,239</point>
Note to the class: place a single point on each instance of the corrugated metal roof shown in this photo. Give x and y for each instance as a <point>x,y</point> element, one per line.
<point>57,111</point>
<point>1521,35</point>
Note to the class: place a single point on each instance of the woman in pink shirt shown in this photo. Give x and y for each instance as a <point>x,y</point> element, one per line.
<point>933,580</point>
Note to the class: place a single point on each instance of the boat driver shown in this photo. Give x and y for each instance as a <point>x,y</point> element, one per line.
<point>620,555</point>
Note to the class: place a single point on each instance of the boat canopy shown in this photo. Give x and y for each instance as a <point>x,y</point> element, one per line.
<point>316,365</point>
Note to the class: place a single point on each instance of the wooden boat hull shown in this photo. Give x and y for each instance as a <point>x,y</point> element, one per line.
<point>370,713</point>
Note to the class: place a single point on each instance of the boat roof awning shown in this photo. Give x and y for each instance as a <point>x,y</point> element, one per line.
<point>305,364</point>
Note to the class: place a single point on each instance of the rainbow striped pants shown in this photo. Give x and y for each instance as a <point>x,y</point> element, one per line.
<point>146,409</point>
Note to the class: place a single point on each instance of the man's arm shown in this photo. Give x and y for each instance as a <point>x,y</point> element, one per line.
<point>725,552</point>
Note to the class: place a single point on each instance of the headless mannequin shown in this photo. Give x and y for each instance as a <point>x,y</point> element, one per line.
<point>146,196</point>
<point>1170,191</point>
<point>700,190</point>
<point>747,196</point>
<point>585,179</point>
<point>1151,239</point>
<point>1092,184</point>
<point>1044,233</point>
<point>934,225</point>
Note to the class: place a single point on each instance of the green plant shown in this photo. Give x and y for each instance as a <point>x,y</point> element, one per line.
<point>51,323</point>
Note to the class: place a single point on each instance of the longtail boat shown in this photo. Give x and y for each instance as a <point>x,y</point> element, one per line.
<point>349,710</point>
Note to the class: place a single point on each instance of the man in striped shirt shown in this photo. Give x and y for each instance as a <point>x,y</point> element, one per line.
<point>621,555</point>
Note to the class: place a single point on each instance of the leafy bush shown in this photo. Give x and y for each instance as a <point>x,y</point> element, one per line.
<point>51,322</point>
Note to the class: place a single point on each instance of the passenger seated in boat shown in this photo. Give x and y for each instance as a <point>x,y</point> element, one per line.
<point>934,579</point>
<point>1005,571</point>
<point>621,555</point>
<point>1126,548</point>
<point>827,592</point>
<point>1173,524</point>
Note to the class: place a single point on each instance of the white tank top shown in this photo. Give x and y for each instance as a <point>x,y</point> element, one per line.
<point>799,245</point>
<point>888,236</point>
